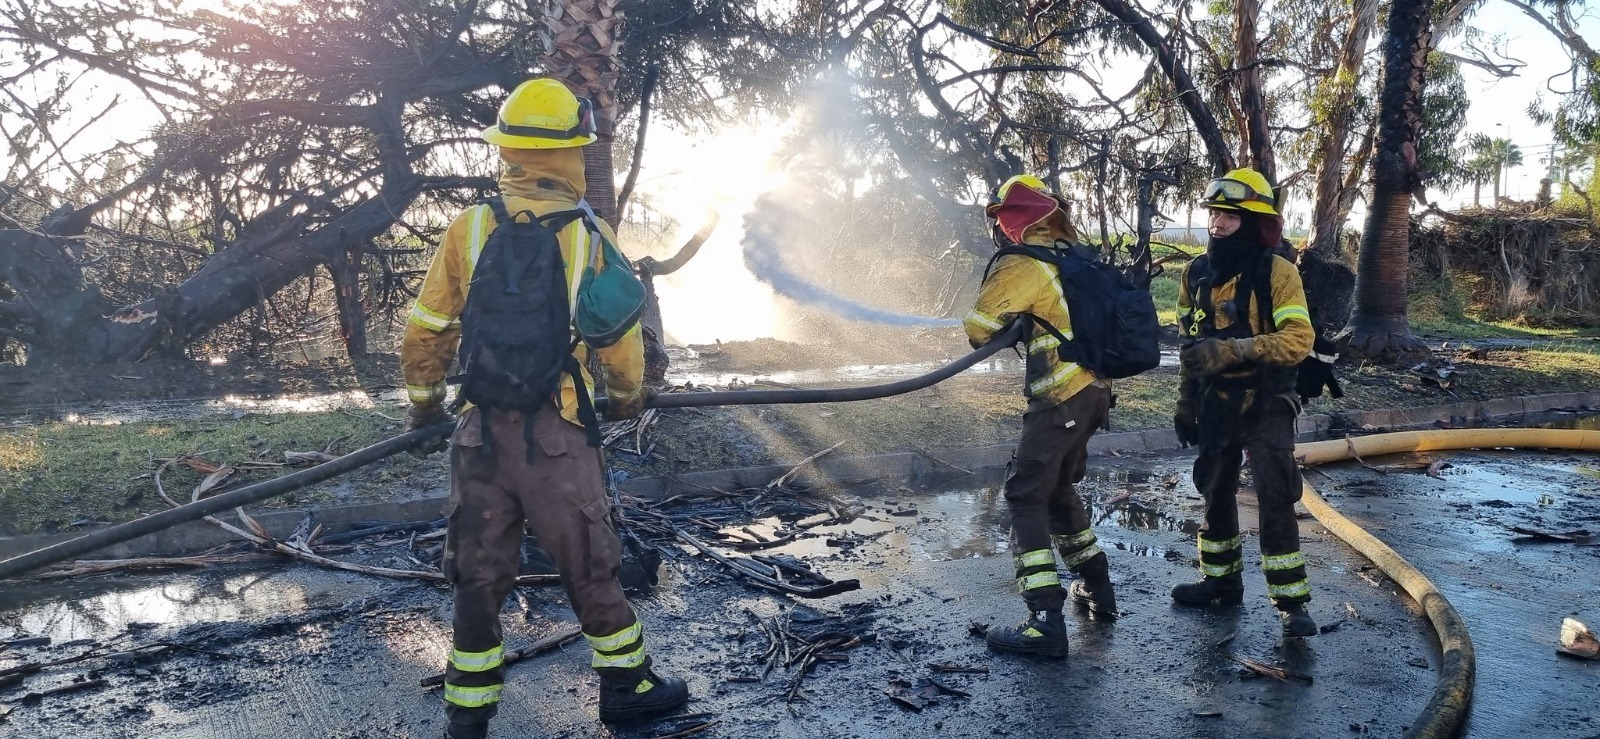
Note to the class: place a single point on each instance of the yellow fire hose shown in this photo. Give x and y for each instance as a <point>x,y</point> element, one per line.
<point>1452,696</point>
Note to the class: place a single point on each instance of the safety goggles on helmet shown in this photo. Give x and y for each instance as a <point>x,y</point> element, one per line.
<point>585,127</point>
<point>1225,190</point>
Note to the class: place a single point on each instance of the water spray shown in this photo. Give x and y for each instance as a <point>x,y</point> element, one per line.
<point>763,255</point>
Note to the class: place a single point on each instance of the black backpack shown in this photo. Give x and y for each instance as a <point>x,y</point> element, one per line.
<point>1115,330</point>
<point>517,337</point>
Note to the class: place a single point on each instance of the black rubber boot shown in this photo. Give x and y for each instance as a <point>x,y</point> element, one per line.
<point>1092,589</point>
<point>1296,622</point>
<point>1227,590</point>
<point>1044,634</point>
<point>468,723</point>
<point>635,693</point>
<point>466,731</point>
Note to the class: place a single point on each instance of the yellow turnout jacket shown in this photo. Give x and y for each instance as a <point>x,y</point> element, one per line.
<point>1285,343</point>
<point>538,180</point>
<point>1020,284</point>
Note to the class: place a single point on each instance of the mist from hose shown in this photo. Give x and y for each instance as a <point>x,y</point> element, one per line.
<point>765,227</point>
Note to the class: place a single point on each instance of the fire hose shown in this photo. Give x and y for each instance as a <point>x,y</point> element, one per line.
<point>1452,695</point>
<point>73,548</point>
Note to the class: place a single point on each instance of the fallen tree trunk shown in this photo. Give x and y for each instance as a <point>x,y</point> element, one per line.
<point>62,317</point>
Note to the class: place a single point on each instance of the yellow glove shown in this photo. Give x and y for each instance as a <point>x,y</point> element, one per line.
<point>1210,356</point>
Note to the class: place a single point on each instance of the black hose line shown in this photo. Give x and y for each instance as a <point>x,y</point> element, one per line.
<point>1005,338</point>
<point>25,563</point>
<point>39,558</point>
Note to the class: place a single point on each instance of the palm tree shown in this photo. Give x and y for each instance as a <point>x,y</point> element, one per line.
<point>1480,167</point>
<point>1379,330</point>
<point>1502,154</point>
<point>585,41</point>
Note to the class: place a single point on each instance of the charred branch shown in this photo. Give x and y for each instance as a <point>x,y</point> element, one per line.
<point>623,196</point>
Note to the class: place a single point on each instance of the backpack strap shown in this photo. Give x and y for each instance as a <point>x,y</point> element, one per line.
<point>586,415</point>
<point>1200,293</point>
<point>497,206</point>
<point>1264,306</point>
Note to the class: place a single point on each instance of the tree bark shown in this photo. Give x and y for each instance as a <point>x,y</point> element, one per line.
<point>1326,223</point>
<point>1205,123</point>
<point>345,269</point>
<point>1379,329</point>
<point>585,53</point>
<point>1329,281</point>
<point>1252,95</point>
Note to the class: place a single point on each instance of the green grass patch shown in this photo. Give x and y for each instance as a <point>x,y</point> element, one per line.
<point>57,473</point>
<point>1164,290</point>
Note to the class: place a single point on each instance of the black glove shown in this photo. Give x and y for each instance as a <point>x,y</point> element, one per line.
<point>1184,424</point>
<point>1183,419</point>
<point>423,415</point>
<point>1210,356</point>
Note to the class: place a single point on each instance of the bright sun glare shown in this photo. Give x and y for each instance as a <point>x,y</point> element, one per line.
<point>714,296</point>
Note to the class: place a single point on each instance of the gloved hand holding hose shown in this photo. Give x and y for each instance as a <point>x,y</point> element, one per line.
<point>623,407</point>
<point>423,415</point>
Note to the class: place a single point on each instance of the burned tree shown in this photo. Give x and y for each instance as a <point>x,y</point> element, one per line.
<point>306,150</point>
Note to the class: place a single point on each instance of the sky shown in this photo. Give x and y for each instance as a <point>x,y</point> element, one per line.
<point>1499,106</point>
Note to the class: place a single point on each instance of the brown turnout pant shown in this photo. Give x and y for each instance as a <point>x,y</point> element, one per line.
<point>561,495</point>
<point>1049,462</point>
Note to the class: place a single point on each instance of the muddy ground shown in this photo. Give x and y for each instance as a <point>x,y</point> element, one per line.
<point>296,652</point>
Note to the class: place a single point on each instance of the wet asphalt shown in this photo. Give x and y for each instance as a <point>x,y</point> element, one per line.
<point>292,651</point>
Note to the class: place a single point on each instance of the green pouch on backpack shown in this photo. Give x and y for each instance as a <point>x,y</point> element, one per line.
<point>610,300</point>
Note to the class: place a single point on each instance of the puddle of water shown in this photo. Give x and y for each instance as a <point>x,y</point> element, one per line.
<point>1479,477</point>
<point>1138,516</point>
<point>171,409</point>
<point>1499,481</point>
<point>972,523</point>
<point>95,609</point>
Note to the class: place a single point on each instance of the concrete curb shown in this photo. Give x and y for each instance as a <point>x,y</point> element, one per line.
<point>915,468</point>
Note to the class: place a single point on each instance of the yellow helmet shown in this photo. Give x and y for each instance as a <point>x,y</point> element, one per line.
<point>542,114</point>
<point>1241,189</point>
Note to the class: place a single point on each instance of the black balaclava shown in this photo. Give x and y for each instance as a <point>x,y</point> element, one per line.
<point>1229,255</point>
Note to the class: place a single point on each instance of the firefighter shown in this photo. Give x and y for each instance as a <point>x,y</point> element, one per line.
<point>1242,313</point>
<point>540,469</point>
<point>1066,404</point>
